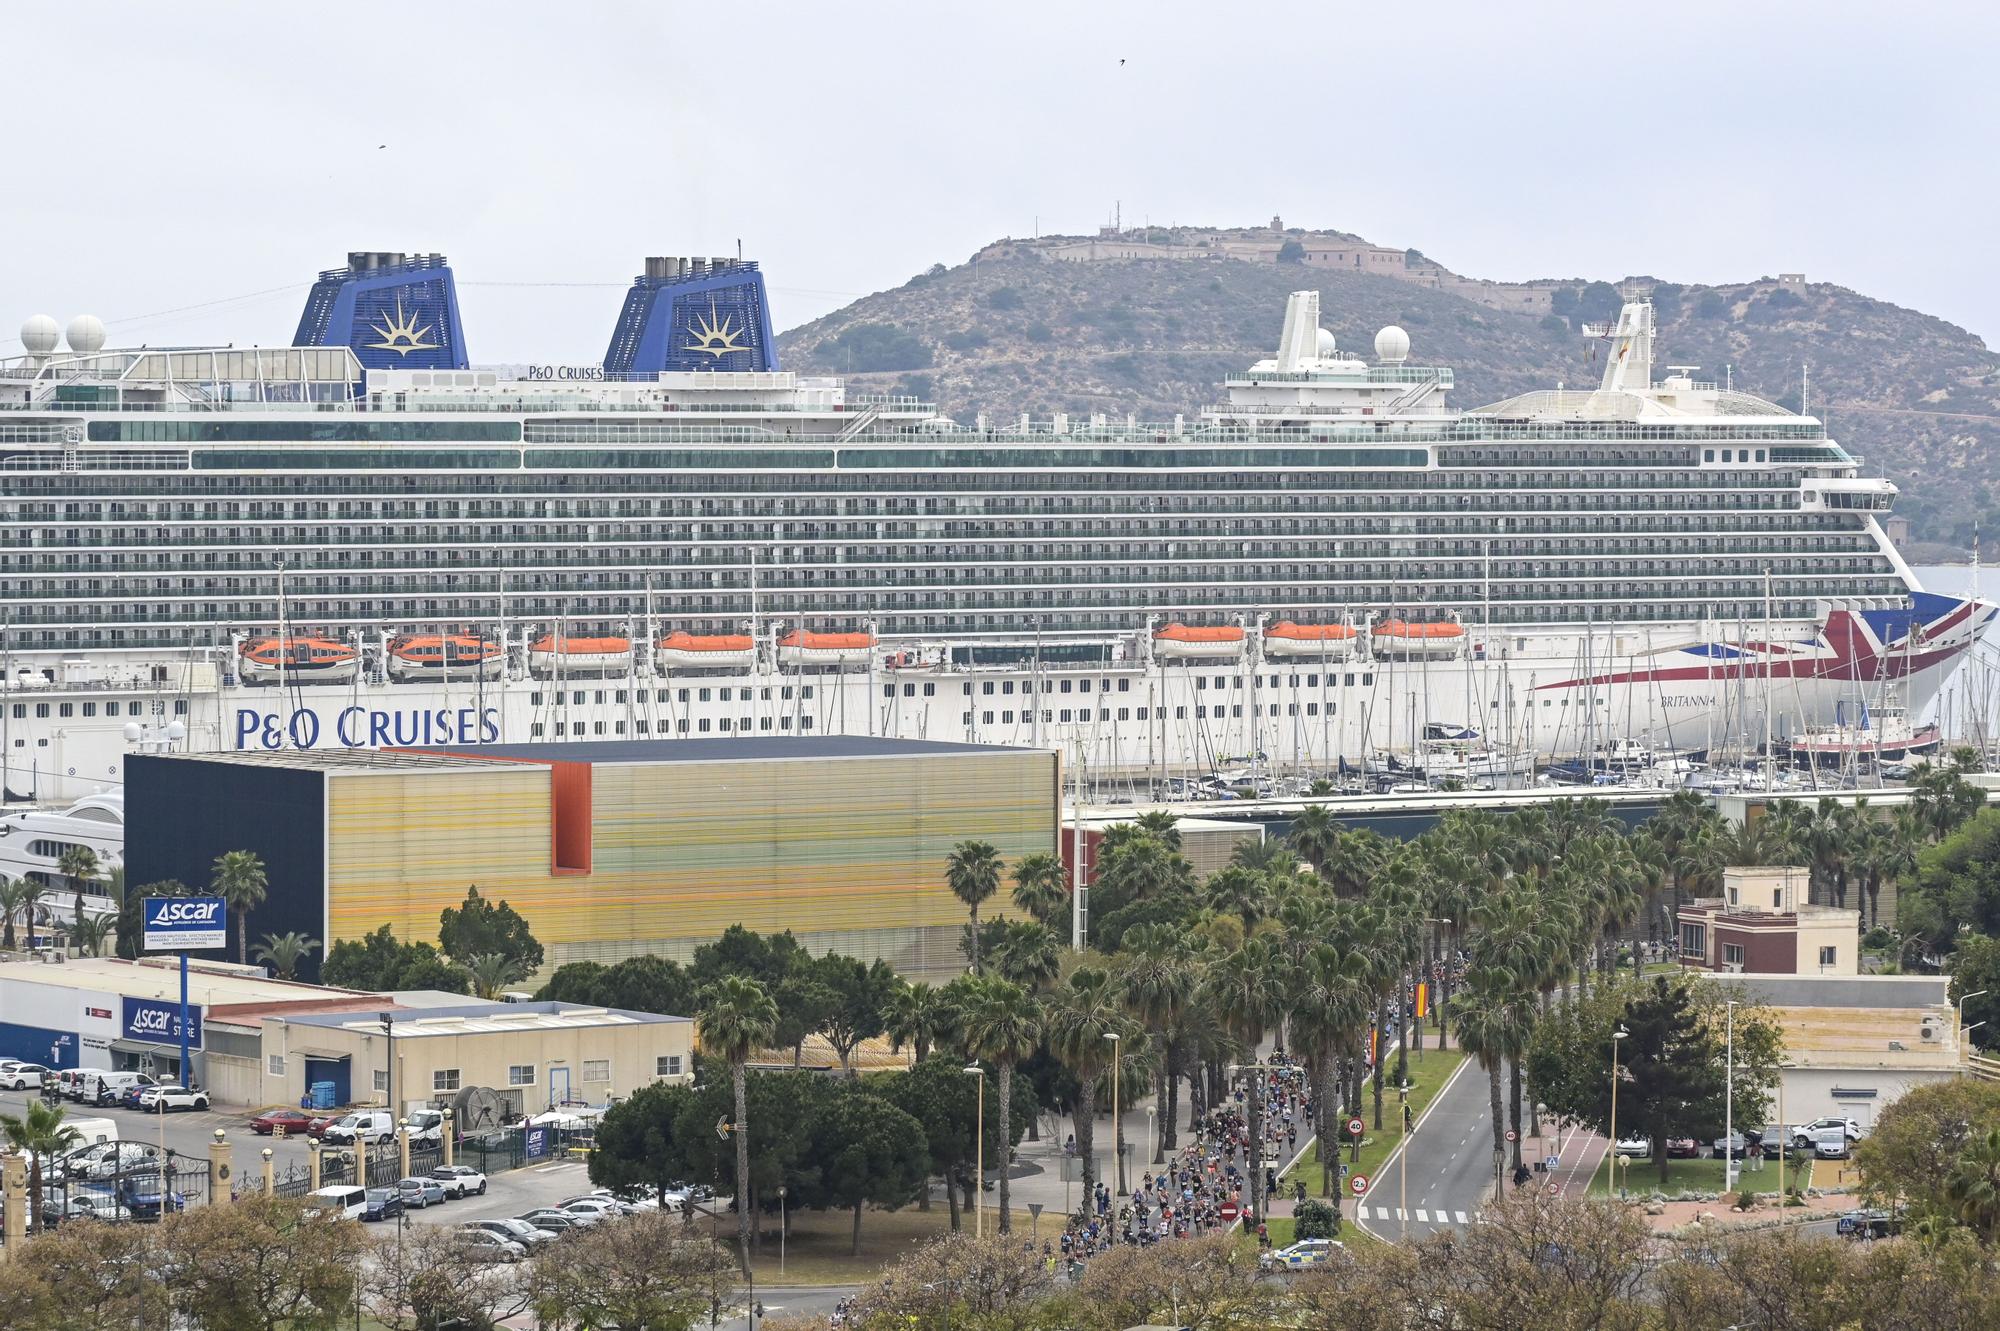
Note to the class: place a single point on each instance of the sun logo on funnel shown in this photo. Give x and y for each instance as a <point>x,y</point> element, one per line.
<point>401,334</point>
<point>716,334</point>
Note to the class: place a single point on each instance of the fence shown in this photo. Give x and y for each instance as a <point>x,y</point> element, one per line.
<point>125,1188</point>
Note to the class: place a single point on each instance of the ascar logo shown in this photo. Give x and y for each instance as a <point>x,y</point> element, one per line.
<point>157,1021</point>
<point>174,911</point>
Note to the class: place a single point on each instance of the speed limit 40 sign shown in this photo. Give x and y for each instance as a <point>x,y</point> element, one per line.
<point>1355,1127</point>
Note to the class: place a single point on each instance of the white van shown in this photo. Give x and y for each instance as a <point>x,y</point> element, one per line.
<point>364,1125</point>
<point>93,1131</point>
<point>342,1201</point>
<point>100,1088</point>
<point>426,1125</point>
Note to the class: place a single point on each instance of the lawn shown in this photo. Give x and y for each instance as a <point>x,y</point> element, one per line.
<point>1642,1177</point>
<point>1428,1071</point>
<point>817,1251</point>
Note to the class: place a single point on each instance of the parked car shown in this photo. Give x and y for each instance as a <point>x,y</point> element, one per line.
<point>618,1205</point>
<point>1737,1145</point>
<point>488,1246</point>
<point>460,1180</point>
<point>23,1076</point>
<point>171,1096</point>
<point>320,1123</point>
<point>1304,1253</point>
<point>367,1125</point>
<point>382,1204</point>
<point>141,1196</point>
<point>294,1122</point>
<point>1683,1148</point>
<point>128,1097</point>
<point>552,1221</point>
<point>340,1201</point>
<point>598,1208</point>
<point>110,1159</point>
<point>426,1125</point>
<point>1831,1144</point>
<point>420,1193</point>
<point>517,1231</point>
<point>93,1204</point>
<point>1635,1147</point>
<point>1809,1132</point>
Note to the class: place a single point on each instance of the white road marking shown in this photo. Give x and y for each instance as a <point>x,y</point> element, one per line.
<point>1460,1216</point>
<point>1423,1217</point>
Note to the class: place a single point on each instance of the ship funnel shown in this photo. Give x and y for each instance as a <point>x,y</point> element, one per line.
<point>396,311</point>
<point>692,314</point>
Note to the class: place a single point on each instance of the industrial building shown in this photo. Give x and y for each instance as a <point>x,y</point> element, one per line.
<point>1764,923</point>
<point>608,849</point>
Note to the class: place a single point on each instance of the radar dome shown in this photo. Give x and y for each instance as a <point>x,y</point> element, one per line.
<point>1392,345</point>
<point>1324,347</point>
<point>38,335</point>
<point>85,335</point>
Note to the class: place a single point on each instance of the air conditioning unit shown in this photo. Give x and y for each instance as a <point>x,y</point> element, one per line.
<point>1733,967</point>
<point>1933,1030</point>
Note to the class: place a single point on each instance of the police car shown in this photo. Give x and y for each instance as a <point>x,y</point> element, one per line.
<point>1304,1253</point>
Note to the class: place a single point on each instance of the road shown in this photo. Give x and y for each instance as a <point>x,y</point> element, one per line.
<point>1450,1165</point>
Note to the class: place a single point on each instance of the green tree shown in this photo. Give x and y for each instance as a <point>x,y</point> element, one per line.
<point>1246,989</point>
<point>42,1133</point>
<point>492,973</point>
<point>380,961</point>
<point>574,982</point>
<point>1027,953</point>
<point>866,1151</point>
<point>479,927</point>
<point>765,958</point>
<point>1002,1026</point>
<point>1907,1158</point>
<point>14,897</point>
<point>1080,1016</point>
<point>283,953</point>
<point>737,1018</point>
<point>645,983</point>
<point>254,1266</point>
<point>636,1147</point>
<point>972,872</point>
<point>1041,889</point>
<point>1975,969</point>
<point>917,1015</point>
<point>240,880</point>
<point>1974,1188</point>
<point>88,935</point>
<point>1291,252</point>
<point>648,1272</point>
<point>861,995</point>
<point>939,1094</point>
<point>1489,1014</point>
<point>131,915</point>
<point>79,865</point>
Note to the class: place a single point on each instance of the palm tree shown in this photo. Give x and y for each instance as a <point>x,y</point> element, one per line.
<point>917,1015</point>
<point>89,934</point>
<point>13,898</point>
<point>492,972</point>
<point>1041,887</point>
<point>32,889</point>
<point>1313,835</point>
<point>1268,856</point>
<point>1158,975</point>
<point>1161,825</point>
<point>1078,1016</point>
<point>1238,891</point>
<point>1247,989</point>
<point>240,880</point>
<point>973,874</point>
<point>42,1133</point>
<point>283,953</point>
<point>1003,1025</point>
<point>1974,1187</point>
<point>1028,954</point>
<point>1489,1020</point>
<point>79,865</point>
<point>737,1018</point>
<point>1328,997</point>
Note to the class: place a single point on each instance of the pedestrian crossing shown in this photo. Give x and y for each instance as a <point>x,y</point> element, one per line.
<point>1421,1215</point>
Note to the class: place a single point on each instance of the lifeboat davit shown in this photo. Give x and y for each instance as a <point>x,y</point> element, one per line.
<point>1184,642</point>
<point>691,651</point>
<point>1320,642</point>
<point>294,660</point>
<point>1404,640</point>
<point>800,648</point>
<point>445,656</point>
<point>548,655</point>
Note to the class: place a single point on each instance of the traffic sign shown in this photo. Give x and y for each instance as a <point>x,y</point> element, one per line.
<point>1358,1185</point>
<point>1513,1135</point>
<point>1228,1211</point>
<point>723,1127</point>
<point>1355,1127</point>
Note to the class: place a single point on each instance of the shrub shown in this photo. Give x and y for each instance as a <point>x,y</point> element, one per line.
<point>1003,298</point>
<point>1878,939</point>
<point>1315,1219</point>
<point>1713,305</point>
<point>1039,332</point>
<point>878,346</point>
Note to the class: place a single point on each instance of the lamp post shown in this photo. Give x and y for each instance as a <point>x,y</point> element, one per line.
<point>1151,1112</point>
<point>1616,1036</point>
<point>781,1231</point>
<point>1117,1123</point>
<point>1728,1096</point>
<point>388,1023</point>
<point>1403,1162</point>
<point>979,1154</point>
<point>1976,993</point>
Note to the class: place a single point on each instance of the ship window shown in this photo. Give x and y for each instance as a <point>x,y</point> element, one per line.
<point>20,711</point>
<point>1367,681</point>
<point>807,692</point>
<point>180,707</point>
<point>1124,686</point>
<point>986,718</point>
<point>535,730</point>
<point>1065,686</point>
<point>90,709</point>
<point>1180,713</point>
<point>1083,686</point>
<point>909,690</point>
<point>1143,713</point>
<point>986,687</point>
<point>763,723</point>
<point>703,698</point>
<point>702,725</point>
<point>1708,455</point>
<point>930,690</point>
<point>1312,709</point>
<point>65,709</point>
<point>1201,711</point>
<point>681,726</point>
<point>535,698</point>
<point>1237,710</point>
<point>1124,713</point>
<point>640,727</point>
<point>1006,686</point>
<point>41,709</point>
<point>1063,715</point>
<point>1006,718</point>
<point>784,723</point>
<point>805,723</point>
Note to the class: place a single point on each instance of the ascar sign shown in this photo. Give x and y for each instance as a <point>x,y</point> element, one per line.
<point>158,1021</point>
<point>186,924</point>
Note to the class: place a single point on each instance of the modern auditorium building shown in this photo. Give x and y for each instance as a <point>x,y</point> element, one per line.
<point>608,849</point>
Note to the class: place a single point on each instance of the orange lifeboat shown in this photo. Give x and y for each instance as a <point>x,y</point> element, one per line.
<point>444,656</point>
<point>1185,642</point>
<point>800,648</point>
<point>269,660</point>
<point>1409,640</point>
<point>548,655</point>
<point>1317,641</point>
<point>692,651</point>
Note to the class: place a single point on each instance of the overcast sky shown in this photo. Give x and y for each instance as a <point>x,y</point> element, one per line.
<point>164,156</point>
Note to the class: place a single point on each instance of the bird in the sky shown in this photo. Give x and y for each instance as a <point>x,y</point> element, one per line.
<point>380,146</point>
<point>1121,62</point>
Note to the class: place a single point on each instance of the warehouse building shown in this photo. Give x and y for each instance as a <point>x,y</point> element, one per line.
<point>609,850</point>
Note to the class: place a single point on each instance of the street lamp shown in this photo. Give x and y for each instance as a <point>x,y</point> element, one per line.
<point>1729,1096</point>
<point>1976,993</point>
<point>1403,1162</point>
<point>1117,1124</point>
<point>979,1154</point>
<point>1151,1111</point>
<point>781,1231</point>
<point>1616,1036</point>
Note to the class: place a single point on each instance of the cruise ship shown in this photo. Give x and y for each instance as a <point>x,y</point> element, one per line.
<point>364,539</point>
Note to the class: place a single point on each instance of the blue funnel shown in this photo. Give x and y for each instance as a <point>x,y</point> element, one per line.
<point>692,314</point>
<point>396,311</point>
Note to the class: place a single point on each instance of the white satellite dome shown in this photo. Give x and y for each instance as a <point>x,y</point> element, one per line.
<point>1324,347</point>
<point>39,334</point>
<point>1392,345</point>
<point>85,335</point>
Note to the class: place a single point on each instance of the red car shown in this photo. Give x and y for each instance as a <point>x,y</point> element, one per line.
<point>1683,1148</point>
<point>293,1121</point>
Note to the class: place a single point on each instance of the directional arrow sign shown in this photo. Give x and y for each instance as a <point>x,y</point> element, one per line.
<point>723,1128</point>
<point>1358,1184</point>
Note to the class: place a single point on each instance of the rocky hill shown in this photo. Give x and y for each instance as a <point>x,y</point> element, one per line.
<point>1916,397</point>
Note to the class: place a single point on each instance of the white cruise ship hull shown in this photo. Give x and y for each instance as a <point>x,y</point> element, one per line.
<point>1549,696</point>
